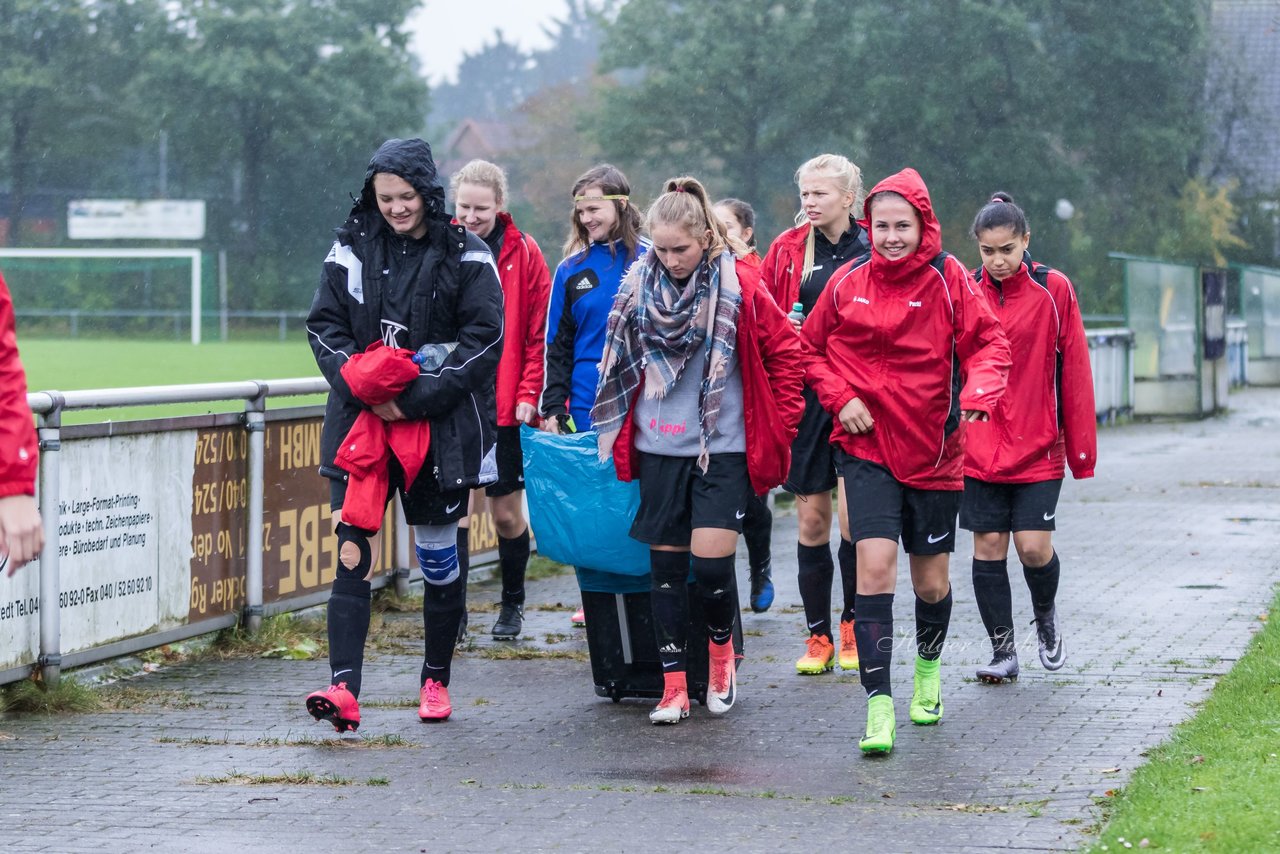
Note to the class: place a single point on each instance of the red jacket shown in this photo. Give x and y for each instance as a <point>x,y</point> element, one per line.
<point>772,363</point>
<point>902,336</point>
<point>783,266</point>
<point>1046,416</point>
<point>19,454</point>
<point>526,292</point>
<point>377,376</point>
<point>365,454</point>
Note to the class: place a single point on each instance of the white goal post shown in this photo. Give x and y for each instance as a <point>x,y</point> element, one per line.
<point>192,255</point>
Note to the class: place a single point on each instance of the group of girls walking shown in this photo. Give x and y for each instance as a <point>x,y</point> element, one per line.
<point>856,356</point>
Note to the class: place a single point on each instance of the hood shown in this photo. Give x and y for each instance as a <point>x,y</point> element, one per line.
<point>910,186</point>
<point>411,160</point>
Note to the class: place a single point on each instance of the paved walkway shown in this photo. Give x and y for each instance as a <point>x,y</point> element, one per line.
<point>1169,557</point>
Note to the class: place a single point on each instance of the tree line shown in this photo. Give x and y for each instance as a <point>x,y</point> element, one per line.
<point>268,109</point>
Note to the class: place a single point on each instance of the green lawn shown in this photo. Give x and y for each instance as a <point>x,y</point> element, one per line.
<point>82,363</point>
<point>1215,784</point>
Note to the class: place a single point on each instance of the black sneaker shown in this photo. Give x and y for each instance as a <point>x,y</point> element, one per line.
<point>509,622</point>
<point>1003,668</point>
<point>1052,653</point>
<point>462,630</point>
<point>761,588</point>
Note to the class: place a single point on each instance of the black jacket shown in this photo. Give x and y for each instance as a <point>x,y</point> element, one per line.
<point>457,297</point>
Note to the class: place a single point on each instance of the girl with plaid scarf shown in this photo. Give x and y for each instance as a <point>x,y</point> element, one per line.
<point>699,397</point>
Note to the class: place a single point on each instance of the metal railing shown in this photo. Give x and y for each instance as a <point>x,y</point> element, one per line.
<point>49,406</point>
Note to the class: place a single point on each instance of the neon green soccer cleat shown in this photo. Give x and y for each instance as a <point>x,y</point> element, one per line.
<point>926,698</point>
<point>881,726</point>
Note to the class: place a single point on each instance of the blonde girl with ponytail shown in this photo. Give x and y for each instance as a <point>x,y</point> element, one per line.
<point>698,398</point>
<point>799,264</point>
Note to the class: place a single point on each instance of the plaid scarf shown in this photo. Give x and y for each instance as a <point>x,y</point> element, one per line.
<point>654,325</point>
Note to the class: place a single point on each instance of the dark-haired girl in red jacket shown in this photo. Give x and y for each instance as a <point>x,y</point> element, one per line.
<point>1014,463</point>
<point>907,351</point>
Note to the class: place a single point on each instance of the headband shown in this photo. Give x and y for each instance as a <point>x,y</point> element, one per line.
<point>621,196</point>
<point>996,200</point>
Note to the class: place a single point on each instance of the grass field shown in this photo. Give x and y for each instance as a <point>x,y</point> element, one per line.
<point>80,363</point>
<point>1213,785</point>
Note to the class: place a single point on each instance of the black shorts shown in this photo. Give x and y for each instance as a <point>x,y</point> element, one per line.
<point>676,497</point>
<point>880,506</point>
<point>813,467</point>
<point>1005,507</point>
<point>424,503</point>
<point>510,464</point>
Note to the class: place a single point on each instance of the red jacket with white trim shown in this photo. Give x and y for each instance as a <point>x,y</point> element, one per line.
<point>19,454</point>
<point>526,291</point>
<point>772,363</point>
<point>783,266</point>
<point>915,344</point>
<point>1047,417</point>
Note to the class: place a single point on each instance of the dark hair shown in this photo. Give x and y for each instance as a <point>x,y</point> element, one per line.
<point>1000,212</point>
<point>743,213</point>
<point>610,179</point>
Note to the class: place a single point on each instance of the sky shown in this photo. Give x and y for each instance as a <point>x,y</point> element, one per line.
<point>443,30</point>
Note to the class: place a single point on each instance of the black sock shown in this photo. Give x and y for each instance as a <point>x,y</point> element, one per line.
<point>932,619</point>
<point>757,531</point>
<point>1042,581</point>
<point>513,556</point>
<point>669,598</point>
<point>349,610</point>
<point>716,586</point>
<point>995,602</point>
<point>816,570</point>
<point>874,631</point>
<point>847,555</point>
<point>442,608</point>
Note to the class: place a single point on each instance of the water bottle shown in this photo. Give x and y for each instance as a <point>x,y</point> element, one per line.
<point>797,312</point>
<point>432,356</point>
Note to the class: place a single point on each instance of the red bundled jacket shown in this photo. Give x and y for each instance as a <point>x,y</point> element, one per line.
<point>783,265</point>
<point>894,334</point>
<point>526,293</point>
<point>19,454</point>
<point>376,376</point>
<point>772,363</point>
<point>1046,417</point>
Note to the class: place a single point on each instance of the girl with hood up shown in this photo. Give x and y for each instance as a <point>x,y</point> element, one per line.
<point>400,274</point>
<point>906,351</point>
<point>699,396</point>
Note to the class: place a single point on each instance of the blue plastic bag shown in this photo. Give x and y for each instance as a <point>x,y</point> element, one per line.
<point>579,511</point>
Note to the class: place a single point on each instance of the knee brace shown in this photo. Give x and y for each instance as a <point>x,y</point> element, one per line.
<point>437,550</point>
<point>351,579</point>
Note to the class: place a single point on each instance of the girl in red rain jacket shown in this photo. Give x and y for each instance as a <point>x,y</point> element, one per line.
<point>21,534</point>
<point>906,351</point>
<point>479,197</point>
<point>800,264</point>
<point>1015,462</point>
<point>698,398</point>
